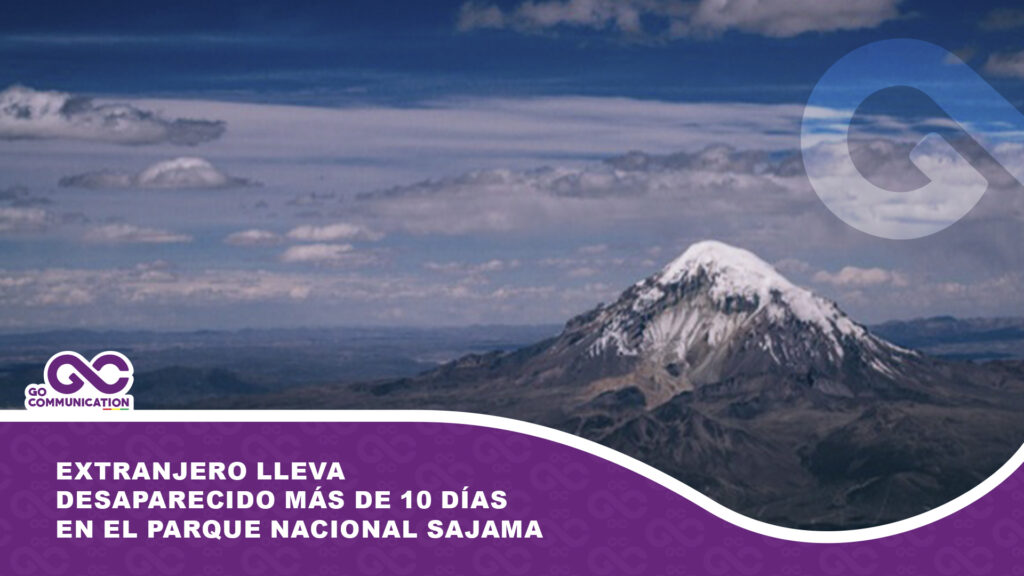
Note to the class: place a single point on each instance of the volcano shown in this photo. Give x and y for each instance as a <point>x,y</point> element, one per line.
<point>719,313</point>
<point>756,392</point>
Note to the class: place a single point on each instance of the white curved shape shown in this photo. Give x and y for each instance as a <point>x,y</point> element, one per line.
<point>538,431</point>
<point>954,188</point>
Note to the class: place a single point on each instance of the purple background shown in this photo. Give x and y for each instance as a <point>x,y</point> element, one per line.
<point>597,517</point>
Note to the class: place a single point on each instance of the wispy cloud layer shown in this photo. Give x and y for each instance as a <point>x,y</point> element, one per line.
<point>131,234</point>
<point>326,255</point>
<point>494,265</point>
<point>23,219</point>
<point>676,18</point>
<point>334,233</point>
<point>149,283</point>
<point>729,190</point>
<point>852,276</point>
<point>31,114</point>
<point>253,237</point>
<point>155,288</point>
<point>496,210</point>
<point>1007,64</point>
<point>46,295</point>
<point>632,187</point>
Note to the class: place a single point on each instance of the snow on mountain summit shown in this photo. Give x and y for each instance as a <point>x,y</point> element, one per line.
<point>737,273</point>
<point>718,311</point>
<point>719,255</point>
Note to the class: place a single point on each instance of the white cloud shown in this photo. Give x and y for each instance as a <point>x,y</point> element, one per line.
<point>130,234</point>
<point>334,233</point>
<point>593,249</point>
<point>145,284</point>
<point>401,145</point>
<point>740,196</point>
<point>717,180</point>
<point>1008,64</point>
<point>588,263</point>
<point>996,295</point>
<point>852,276</point>
<point>466,268</point>
<point>474,15</point>
<point>317,253</point>
<point>30,114</point>
<point>177,174</point>
<point>785,18</point>
<point>599,14</point>
<point>253,237</point>
<point>792,266</point>
<point>23,219</point>
<point>71,296</point>
<point>774,18</point>
<point>954,186</point>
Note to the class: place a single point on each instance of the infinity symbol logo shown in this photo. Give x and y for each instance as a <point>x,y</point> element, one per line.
<point>82,372</point>
<point>955,186</point>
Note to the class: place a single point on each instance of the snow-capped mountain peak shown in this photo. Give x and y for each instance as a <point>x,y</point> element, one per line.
<point>718,310</point>
<point>712,255</point>
<point>735,273</point>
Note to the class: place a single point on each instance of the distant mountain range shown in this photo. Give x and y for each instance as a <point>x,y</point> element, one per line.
<point>752,390</point>
<point>174,369</point>
<point>975,339</point>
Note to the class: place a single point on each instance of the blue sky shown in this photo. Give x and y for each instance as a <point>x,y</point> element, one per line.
<point>333,53</point>
<point>451,163</point>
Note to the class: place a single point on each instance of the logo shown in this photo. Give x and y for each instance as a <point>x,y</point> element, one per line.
<point>73,383</point>
<point>972,106</point>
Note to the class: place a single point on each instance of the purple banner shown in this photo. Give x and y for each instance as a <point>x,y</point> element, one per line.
<point>589,516</point>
